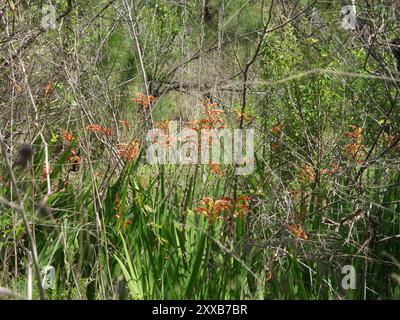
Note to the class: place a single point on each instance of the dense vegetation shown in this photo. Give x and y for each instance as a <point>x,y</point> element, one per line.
<point>78,194</point>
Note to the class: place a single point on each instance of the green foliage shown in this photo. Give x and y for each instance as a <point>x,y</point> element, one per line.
<point>115,227</point>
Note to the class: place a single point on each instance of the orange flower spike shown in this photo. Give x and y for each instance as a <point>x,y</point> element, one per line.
<point>213,105</point>
<point>216,112</point>
<point>201,210</point>
<point>93,127</point>
<point>353,149</point>
<point>162,125</point>
<point>243,198</point>
<point>211,208</point>
<point>222,205</point>
<point>206,206</point>
<point>67,137</point>
<point>215,168</point>
<point>44,174</point>
<point>106,131</point>
<point>126,223</point>
<point>121,146</point>
<point>192,124</point>
<point>307,173</point>
<point>139,98</point>
<point>277,128</point>
<point>303,235</point>
<point>243,207</point>
<point>143,100</point>
<point>356,134</point>
<point>150,99</point>
<point>227,199</point>
<point>240,115</point>
<point>124,123</point>
<point>74,159</point>
<point>269,277</point>
<point>117,202</point>
<point>332,171</point>
<point>207,201</point>
<point>291,227</point>
<point>297,231</point>
<point>99,129</point>
<point>275,146</point>
<point>128,152</point>
<point>48,89</point>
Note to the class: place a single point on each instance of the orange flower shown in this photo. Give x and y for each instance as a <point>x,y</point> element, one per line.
<point>107,131</point>
<point>221,205</point>
<point>213,113</point>
<point>128,152</point>
<point>168,140</point>
<point>275,146</point>
<point>242,206</point>
<point>67,137</point>
<point>269,277</point>
<point>278,128</point>
<point>240,115</point>
<point>306,173</point>
<point>207,201</point>
<point>94,128</point>
<point>143,100</point>
<point>163,125</point>
<point>44,175</point>
<point>243,198</point>
<point>127,222</point>
<point>215,168</point>
<point>212,209</point>
<point>99,129</point>
<point>48,89</point>
<point>75,160</point>
<point>331,171</point>
<point>354,148</point>
<point>297,231</point>
<point>124,123</point>
<point>192,124</point>
<point>117,203</point>
<point>356,134</point>
<point>391,141</point>
<point>212,118</point>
